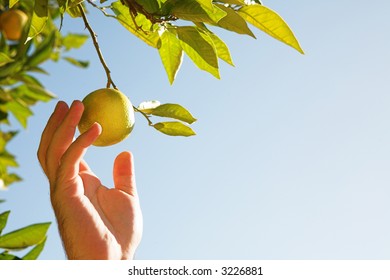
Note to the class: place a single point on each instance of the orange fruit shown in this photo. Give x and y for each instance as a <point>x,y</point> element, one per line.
<point>12,23</point>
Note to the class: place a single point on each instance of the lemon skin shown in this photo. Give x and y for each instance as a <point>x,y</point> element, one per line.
<point>12,23</point>
<point>113,111</point>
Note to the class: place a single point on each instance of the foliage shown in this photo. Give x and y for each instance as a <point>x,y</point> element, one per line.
<point>172,27</point>
<point>33,235</point>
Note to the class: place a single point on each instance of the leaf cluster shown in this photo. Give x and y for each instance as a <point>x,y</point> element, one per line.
<point>164,25</point>
<point>31,236</point>
<point>182,117</point>
<point>177,27</point>
<point>20,62</point>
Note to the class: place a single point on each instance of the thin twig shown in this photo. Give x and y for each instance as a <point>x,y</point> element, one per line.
<point>145,115</point>
<point>96,44</point>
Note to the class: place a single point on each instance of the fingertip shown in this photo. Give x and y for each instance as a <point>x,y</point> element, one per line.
<point>93,132</point>
<point>61,104</point>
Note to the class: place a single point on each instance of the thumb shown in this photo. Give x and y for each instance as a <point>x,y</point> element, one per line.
<point>124,176</point>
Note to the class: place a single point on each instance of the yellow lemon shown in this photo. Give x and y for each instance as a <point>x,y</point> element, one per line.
<point>113,111</point>
<point>12,23</point>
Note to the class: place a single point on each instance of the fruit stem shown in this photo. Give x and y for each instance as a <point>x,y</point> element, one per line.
<point>145,115</point>
<point>96,44</point>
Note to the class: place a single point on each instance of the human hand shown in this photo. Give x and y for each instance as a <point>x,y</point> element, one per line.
<point>95,222</point>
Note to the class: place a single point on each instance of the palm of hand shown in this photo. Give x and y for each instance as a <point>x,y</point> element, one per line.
<point>108,220</point>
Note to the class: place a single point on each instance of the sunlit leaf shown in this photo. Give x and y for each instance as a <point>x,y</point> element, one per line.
<point>213,11</point>
<point>222,49</point>
<point>74,41</point>
<point>4,59</point>
<point>20,111</point>
<point>3,220</point>
<point>13,3</point>
<point>150,6</point>
<point>147,106</point>
<point>7,256</point>
<point>10,178</point>
<point>201,51</point>
<point>123,16</point>
<point>8,160</point>
<point>76,62</point>
<point>174,111</point>
<point>11,68</point>
<point>35,252</point>
<point>174,129</point>
<point>43,51</point>
<point>5,137</point>
<point>24,237</point>
<point>74,11</point>
<point>271,23</point>
<point>39,18</point>
<point>220,46</point>
<point>234,22</point>
<point>233,2</point>
<point>191,10</point>
<point>28,79</point>
<point>171,53</point>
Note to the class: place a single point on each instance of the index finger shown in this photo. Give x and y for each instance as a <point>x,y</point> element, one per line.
<point>52,124</point>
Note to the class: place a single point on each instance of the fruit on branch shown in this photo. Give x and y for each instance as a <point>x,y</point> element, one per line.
<point>12,23</point>
<point>113,111</point>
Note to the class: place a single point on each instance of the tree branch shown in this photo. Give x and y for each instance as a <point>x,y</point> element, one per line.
<point>145,115</point>
<point>96,44</point>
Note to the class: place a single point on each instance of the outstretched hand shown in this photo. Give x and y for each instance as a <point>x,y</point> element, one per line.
<point>95,222</point>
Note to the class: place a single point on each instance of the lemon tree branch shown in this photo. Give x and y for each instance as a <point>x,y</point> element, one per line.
<point>96,44</point>
<point>145,115</point>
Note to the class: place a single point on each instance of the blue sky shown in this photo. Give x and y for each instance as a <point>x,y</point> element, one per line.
<point>292,152</point>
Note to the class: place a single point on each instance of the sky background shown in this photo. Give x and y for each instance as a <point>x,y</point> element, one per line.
<point>291,158</point>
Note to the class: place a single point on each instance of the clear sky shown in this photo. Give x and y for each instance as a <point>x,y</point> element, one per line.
<point>291,158</point>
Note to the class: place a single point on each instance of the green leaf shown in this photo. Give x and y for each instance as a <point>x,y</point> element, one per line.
<point>35,252</point>
<point>2,200</point>
<point>213,11</point>
<point>10,178</point>
<point>75,62</point>
<point>174,129</point>
<point>43,51</point>
<point>4,59</point>
<point>234,22</point>
<point>123,16</point>
<point>24,237</point>
<point>171,53</point>
<point>6,256</point>
<point>150,6</point>
<point>220,46</point>
<point>222,49</point>
<point>6,159</point>
<point>38,93</point>
<point>20,110</point>
<point>233,2</point>
<point>28,79</point>
<point>5,137</point>
<point>13,3</point>
<point>147,106</point>
<point>74,11</point>
<point>11,68</point>
<point>74,41</point>
<point>271,23</point>
<point>174,111</point>
<point>3,220</point>
<point>63,5</point>
<point>39,18</point>
<point>201,51</point>
<point>193,11</point>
